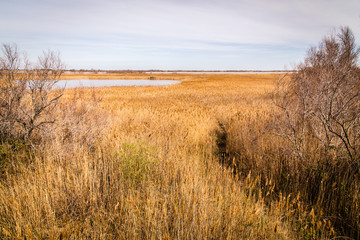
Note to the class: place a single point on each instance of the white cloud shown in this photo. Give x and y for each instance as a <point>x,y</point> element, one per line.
<point>141,27</point>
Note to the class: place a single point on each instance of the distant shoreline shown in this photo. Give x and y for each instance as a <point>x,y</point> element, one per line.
<point>179,71</point>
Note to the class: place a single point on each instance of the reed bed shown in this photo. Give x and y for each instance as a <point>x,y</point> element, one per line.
<point>145,163</point>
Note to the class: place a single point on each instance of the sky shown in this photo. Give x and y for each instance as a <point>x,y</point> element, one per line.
<point>175,34</point>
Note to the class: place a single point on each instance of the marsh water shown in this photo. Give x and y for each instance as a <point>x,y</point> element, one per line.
<point>74,83</point>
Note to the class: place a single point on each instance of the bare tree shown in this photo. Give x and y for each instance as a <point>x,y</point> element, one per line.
<point>27,96</point>
<point>322,99</point>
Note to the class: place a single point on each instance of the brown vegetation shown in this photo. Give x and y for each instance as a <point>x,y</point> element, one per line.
<point>210,158</point>
<point>153,173</point>
<point>308,146</point>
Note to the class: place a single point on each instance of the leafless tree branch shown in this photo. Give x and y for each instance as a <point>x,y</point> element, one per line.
<point>322,98</point>
<point>27,91</point>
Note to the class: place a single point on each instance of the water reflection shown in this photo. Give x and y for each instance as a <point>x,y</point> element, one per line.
<point>74,83</point>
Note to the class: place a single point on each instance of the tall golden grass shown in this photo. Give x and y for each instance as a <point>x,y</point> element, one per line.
<point>144,164</point>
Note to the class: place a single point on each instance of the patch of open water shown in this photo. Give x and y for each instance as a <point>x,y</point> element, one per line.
<point>74,83</point>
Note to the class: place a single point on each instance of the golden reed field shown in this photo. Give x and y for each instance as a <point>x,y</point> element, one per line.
<point>157,163</point>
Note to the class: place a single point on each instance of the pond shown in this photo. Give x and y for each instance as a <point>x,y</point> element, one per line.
<point>74,83</point>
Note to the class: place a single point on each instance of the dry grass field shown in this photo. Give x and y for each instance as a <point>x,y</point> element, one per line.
<point>157,163</point>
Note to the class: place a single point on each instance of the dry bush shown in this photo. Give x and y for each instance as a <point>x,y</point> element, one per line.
<point>323,99</point>
<point>305,149</point>
<point>80,121</point>
<point>320,117</point>
<point>35,115</point>
<point>26,95</point>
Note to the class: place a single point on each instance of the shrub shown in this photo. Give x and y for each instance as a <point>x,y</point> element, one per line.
<point>137,162</point>
<point>27,98</point>
<point>319,116</point>
<point>321,102</point>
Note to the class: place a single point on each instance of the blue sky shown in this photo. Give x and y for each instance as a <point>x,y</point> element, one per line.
<point>175,34</point>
